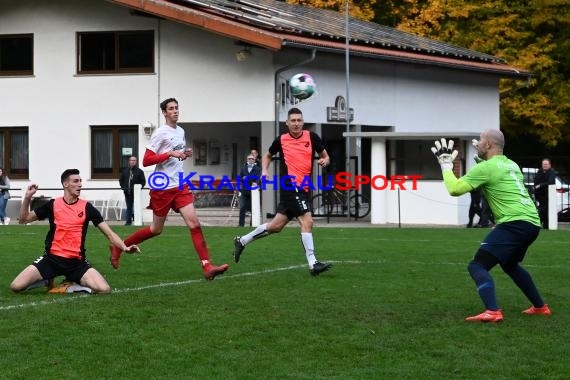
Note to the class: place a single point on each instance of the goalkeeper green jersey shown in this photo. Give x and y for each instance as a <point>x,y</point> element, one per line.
<point>502,183</point>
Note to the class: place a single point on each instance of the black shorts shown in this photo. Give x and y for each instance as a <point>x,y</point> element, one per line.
<point>294,203</point>
<point>51,266</point>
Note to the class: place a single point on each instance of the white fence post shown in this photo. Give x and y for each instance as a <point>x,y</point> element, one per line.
<point>552,208</point>
<point>137,205</point>
<point>255,207</point>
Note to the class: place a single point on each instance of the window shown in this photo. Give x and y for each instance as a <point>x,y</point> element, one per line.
<point>14,150</point>
<point>115,52</point>
<point>111,147</point>
<point>410,157</point>
<point>16,54</point>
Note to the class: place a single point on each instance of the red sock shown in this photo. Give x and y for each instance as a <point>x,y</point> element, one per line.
<point>139,236</point>
<point>200,245</point>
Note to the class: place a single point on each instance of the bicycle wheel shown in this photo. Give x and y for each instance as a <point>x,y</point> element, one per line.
<point>234,203</point>
<point>319,205</point>
<point>359,206</point>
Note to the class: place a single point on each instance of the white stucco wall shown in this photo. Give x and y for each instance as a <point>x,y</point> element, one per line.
<point>411,98</point>
<point>200,69</point>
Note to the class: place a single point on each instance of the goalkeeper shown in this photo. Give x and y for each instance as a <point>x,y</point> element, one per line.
<point>517,220</point>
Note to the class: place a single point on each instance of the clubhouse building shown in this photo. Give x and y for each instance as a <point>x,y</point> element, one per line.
<point>81,82</point>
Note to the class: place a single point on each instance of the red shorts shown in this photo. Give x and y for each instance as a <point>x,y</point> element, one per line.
<point>161,201</point>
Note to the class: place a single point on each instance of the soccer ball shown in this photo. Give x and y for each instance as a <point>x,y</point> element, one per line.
<point>302,86</point>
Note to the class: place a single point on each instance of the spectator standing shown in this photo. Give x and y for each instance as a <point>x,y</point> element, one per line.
<point>4,196</point>
<point>545,177</point>
<point>131,176</point>
<point>486,218</point>
<point>255,154</point>
<point>474,206</point>
<point>250,174</point>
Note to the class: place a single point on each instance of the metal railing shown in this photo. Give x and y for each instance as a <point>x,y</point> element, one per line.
<point>111,203</point>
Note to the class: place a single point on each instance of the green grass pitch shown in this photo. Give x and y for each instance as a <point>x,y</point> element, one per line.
<point>392,307</point>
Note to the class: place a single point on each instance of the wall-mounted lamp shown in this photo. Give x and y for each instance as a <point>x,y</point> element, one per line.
<point>243,54</point>
<point>148,128</point>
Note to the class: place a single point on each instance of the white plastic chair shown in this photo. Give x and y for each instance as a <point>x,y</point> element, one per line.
<point>100,205</point>
<point>115,204</point>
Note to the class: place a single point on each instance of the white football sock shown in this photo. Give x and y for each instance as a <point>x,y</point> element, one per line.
<point>259,232</point>
<point>307,240</point>
<point>76,288</point>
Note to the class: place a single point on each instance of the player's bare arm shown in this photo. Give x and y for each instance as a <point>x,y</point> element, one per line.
<point>324,159</point>
<point>27,216</point>
<point>116,240</point>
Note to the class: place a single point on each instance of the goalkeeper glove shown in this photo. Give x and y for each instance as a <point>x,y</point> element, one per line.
<point>444,153</point>
<point>476,157</point>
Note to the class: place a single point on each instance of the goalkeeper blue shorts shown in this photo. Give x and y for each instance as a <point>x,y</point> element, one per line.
<point>509,241</point>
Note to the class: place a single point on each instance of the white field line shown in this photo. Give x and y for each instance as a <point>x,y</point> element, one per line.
<point>325,236</point>
<point>77,297</point>
<point>141,288</point>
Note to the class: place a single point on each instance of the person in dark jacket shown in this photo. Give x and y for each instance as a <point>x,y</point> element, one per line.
<point>544,177</point>
<point>474,207</point>
<point>249,172</point>
<point>4,196</point>
<point>480,207</point>
<point>131,176</point>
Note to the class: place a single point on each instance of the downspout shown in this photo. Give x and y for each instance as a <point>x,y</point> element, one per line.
<point>158,68</point>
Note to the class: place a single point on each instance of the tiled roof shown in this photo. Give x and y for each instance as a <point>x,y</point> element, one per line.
<point>321,24</point>
<point>275,24</point>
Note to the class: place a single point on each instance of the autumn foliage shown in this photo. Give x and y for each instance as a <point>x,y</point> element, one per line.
<point>533,35</point>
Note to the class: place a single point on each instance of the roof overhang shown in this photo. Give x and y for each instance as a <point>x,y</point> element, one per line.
<point>275,41</point>
<point>203,20</point>
<point>413,135</point>
<point>502,70</point>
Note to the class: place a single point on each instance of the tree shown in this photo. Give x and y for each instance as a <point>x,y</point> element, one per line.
<point>533,35</point>
<point>361,9</point>
<point>530,35</point>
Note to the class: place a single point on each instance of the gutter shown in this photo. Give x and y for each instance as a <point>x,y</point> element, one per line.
<point>503,71</point>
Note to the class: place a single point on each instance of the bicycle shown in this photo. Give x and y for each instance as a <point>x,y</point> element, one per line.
<point>333,202</point>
